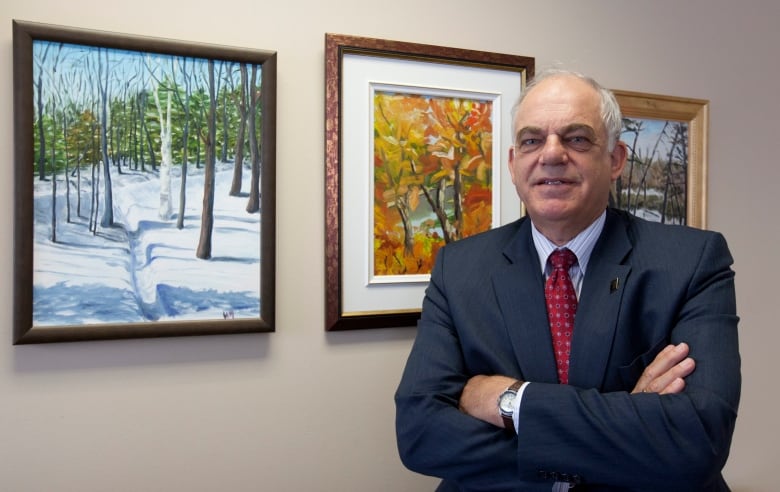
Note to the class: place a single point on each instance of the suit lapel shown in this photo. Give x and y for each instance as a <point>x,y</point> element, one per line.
<point>599,305</point>
<point>519,288</point>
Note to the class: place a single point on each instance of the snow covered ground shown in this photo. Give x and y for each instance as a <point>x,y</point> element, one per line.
<point>144,268</point>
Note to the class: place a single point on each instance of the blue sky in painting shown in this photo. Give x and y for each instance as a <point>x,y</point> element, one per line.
<point>82,69</point>
<point>651,129</point>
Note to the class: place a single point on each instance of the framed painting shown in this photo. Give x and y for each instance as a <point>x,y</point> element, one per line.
<point>144,186</point>
<point>665,178</point>
<point>416,150</point>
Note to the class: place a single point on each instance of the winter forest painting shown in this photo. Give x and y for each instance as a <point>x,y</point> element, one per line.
<point>147,186</point>
<point>654,182</point>
<point>433,168</point>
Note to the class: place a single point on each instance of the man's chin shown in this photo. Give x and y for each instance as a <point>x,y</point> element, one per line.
<point>551,211</point>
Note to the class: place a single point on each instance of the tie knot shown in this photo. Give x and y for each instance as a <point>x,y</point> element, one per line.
<point>563,258</point>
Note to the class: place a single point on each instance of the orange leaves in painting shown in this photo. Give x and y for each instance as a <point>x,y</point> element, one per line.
<point>432,177</point>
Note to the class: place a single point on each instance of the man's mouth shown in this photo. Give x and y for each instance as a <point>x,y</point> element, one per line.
<point>552,182</point>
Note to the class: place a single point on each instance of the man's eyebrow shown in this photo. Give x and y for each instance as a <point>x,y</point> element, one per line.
<point>577,127</point>
<point>534,130</point>
<point>572,127</point>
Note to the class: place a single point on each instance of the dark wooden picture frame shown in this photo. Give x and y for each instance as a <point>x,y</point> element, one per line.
<point>428,58</point>
<point>200,315</point>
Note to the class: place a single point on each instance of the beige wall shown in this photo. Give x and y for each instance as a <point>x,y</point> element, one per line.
<point>300,409</point>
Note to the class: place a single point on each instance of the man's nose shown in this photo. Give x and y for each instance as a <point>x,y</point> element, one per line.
<point>553,151</point>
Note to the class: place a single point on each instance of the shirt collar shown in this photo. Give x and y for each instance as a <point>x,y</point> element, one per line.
<point>581,245</point>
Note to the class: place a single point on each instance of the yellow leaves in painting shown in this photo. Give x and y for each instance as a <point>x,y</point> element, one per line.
<point>432,177</point>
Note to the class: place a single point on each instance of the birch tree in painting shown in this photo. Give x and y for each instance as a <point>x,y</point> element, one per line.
<point>166,209</point>
<point>103,83</point>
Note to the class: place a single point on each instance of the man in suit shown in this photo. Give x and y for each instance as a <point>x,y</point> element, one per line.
<point>652,368</point>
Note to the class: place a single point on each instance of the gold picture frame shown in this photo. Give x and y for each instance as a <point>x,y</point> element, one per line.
<point>693,112</point>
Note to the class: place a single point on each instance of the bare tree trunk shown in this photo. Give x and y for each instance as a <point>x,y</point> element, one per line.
<point>243,91</point>
<point>67,173</point>
<point>41,133</point>
<point>207,215</point>
<point>225,126</point>
<point>108,210</point>
<point>253,204</point>
<point>185,148</point>
<point>92,199</point>
<point>53,182</point>
<point>78,184</point>
<point>93,213</point>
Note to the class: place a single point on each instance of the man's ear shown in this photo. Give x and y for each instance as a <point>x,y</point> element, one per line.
<point>618,158</point>
<point>510,163</point>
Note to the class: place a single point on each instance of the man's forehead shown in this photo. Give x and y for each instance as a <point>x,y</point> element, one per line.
<point>558,104</point>
<point>559,95</point>
<point>561,84</point>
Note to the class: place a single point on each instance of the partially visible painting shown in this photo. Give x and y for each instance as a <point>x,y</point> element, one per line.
<point>433,168</point>
<point>665,176</point>
<point>144,186</point>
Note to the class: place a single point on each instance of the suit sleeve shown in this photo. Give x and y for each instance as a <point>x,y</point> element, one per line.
<point>434,437</point>
<point>674,442</point>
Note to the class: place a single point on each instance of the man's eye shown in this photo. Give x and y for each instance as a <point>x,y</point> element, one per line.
<point>529,144</point>
<point>579,143</point>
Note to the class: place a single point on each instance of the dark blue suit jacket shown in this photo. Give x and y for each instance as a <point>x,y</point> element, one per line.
<point>646,285</point>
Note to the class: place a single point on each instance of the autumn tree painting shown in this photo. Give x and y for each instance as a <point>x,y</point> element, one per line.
<point>433,167</point>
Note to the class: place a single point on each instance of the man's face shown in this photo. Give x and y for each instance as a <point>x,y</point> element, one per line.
<point>560,163</point>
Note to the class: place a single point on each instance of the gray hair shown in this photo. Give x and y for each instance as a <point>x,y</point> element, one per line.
<point>610,109</point>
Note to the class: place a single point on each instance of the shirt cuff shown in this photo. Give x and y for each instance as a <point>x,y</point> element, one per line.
<point>516,410</point>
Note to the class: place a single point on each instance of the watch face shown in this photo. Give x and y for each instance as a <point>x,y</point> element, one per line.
<point>505,404</point>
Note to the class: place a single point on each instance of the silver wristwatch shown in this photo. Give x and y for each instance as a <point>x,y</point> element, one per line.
<point>506,406</point>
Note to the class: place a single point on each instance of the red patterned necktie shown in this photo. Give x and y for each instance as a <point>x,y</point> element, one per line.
<point>561,308</point>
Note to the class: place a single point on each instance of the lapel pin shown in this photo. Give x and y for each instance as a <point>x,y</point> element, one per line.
<point>613,286</point>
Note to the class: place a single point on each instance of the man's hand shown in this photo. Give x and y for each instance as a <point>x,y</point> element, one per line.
<point>665,374</point>
<point>480,397</point>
